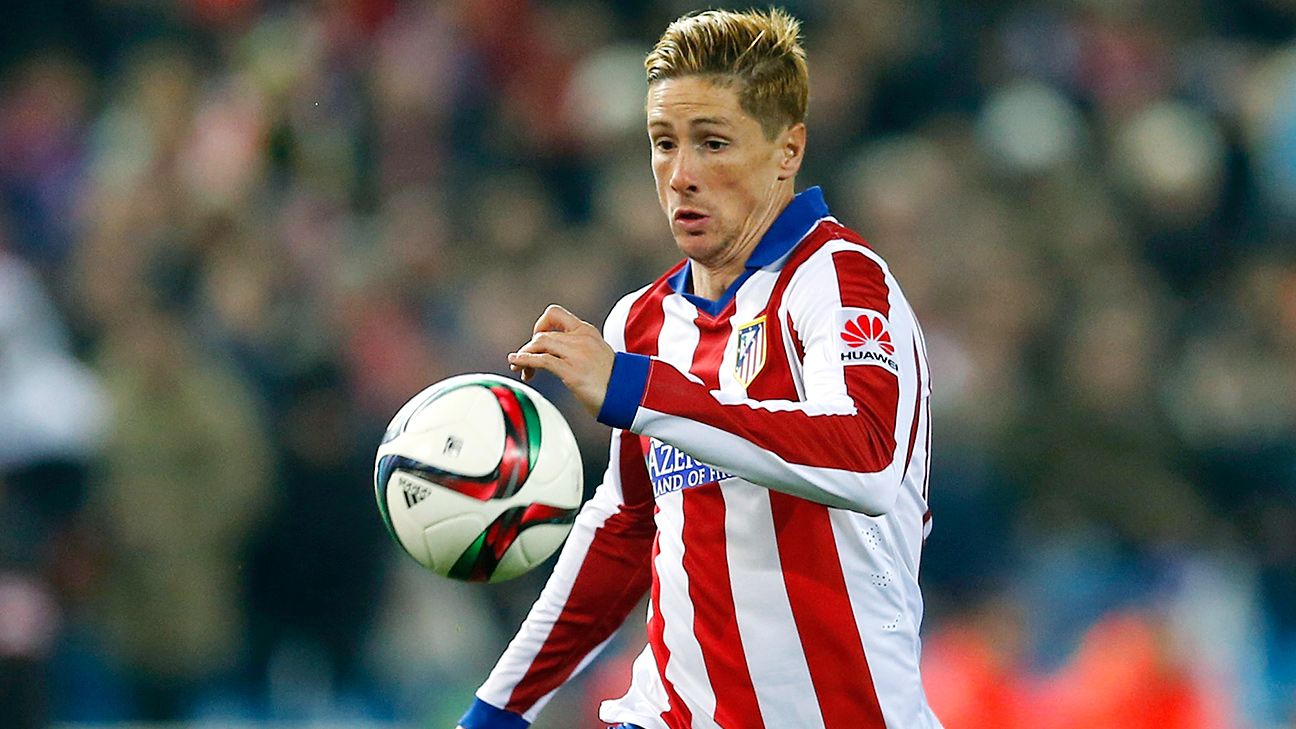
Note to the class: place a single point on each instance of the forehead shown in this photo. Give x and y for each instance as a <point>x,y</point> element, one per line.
<point>688,100</point>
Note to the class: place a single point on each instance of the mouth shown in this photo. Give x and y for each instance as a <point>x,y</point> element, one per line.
<point>690,221</point>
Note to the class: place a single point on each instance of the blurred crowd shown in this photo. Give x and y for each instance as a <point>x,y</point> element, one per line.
<point>235,235</point>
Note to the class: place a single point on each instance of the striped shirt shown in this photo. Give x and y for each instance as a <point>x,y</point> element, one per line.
<point>767,487</point>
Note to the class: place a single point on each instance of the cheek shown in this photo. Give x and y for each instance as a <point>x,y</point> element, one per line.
<point>659,181</point>
<point>742,188</point>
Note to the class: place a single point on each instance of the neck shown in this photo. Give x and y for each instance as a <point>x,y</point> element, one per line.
<point>711,278</point>
<point>711,284</point>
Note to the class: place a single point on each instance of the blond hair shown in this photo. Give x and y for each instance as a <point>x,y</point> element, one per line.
<point>761,50</point>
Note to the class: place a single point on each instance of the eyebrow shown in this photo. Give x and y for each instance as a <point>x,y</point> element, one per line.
<point>700,121</point>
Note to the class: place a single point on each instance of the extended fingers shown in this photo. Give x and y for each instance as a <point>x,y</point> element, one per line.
<point>547,342</point>
<point>545,351</point>
<point>564,344</point>
<point>529,362</point>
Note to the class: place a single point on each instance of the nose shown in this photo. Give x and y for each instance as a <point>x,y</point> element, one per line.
<point>683,173</point>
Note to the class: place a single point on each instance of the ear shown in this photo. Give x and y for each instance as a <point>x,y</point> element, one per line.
<point>791,150</point>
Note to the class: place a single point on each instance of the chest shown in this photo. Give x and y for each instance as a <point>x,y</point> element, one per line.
<point>728,347</point>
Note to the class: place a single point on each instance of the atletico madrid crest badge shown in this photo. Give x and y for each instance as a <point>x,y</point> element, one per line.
<point>750,358</point>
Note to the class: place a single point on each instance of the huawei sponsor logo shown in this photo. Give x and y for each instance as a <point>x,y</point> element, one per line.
<point>868,329</point>
<point>865,338</point>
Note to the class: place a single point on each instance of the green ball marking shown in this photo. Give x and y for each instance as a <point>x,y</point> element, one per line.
<point>463,567</point>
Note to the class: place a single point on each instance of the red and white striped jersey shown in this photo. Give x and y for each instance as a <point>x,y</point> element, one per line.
<point>767,486</point>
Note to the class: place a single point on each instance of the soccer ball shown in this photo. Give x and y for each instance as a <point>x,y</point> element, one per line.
<point>478,478</point>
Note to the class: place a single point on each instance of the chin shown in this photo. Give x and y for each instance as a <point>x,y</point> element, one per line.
<point>696,247</point>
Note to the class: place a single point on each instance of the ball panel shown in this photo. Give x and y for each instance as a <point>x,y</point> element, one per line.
<point>540,541</point>
<point>448,541</point>
<point>405,527</point>
<point>461,430</point>
<point>416,507</point>
<point>514,562</point>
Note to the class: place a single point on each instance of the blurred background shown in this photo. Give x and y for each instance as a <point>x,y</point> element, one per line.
<point>235,235</point>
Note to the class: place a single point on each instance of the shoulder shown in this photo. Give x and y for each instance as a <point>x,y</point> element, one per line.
<point>834,254</point>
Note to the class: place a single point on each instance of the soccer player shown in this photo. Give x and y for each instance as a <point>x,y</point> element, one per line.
<point>767,484</point>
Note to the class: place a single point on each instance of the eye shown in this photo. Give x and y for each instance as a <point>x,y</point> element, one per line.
<point>664,144</point>
<point>715,145</point>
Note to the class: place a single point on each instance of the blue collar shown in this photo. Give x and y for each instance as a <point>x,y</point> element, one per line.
<point>787,230</point>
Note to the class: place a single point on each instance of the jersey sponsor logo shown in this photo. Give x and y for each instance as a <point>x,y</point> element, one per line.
<point>671,469</point>
<point>750,358</point>
<point>864,338</point>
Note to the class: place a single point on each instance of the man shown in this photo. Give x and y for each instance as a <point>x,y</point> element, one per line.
<point>768,469</point>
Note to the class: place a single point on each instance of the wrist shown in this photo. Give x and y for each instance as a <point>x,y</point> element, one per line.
<point>625,390</point>
<point>482,715</point>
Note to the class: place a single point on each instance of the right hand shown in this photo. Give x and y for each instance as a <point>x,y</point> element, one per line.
<point>573,350</point>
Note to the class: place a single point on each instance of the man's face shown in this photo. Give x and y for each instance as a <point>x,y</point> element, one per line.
<point>719,179</point>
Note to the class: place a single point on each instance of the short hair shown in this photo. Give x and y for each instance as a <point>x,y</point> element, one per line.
<point>759,49</point>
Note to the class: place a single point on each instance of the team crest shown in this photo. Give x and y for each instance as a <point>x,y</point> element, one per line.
<point>750,358</point>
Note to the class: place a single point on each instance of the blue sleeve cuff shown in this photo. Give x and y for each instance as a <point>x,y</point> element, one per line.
<point>625,389</point>
<point>482,715</point>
